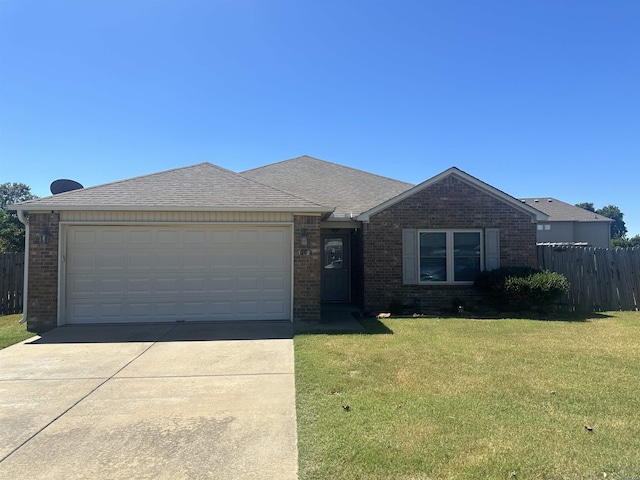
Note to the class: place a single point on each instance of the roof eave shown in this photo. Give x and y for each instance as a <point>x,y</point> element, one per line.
<point>165,208</point>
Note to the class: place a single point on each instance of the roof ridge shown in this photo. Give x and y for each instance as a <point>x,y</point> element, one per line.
<point>280,190</point>
<point>329,163</point>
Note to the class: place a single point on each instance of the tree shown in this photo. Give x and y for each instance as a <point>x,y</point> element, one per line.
<point>626,242</point>
<point>618,228</point>
<point>11,228</point>
<point>586,206</point>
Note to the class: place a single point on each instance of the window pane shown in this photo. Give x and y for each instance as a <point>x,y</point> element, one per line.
<point>466,256</point>
<point>333,253</point>
<point>433,257</point>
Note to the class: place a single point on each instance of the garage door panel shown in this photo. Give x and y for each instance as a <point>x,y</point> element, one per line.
<point>248,260</point>
<point>275,307</point>
<point>184,273</point>
<point>249,285</point>
<point>222,284</point>
<point>137,261</point>
<point>221,260</point>
<point>195,237</point>
<point>84,236</point>
<point>111,261</point>
<point>195,285</point>
<point>274,283</point>
<point>168,260</point>
<point>138,286</point>
<point>274,261</point>
<point>112,286</point>
<point>168,236</point>
<point>196,260</point>
<point>112,236</point>
<point>140,237</point>
<point>82,262</point>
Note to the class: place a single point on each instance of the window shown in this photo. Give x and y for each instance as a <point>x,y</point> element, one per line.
<point>333,253</point>
<point>448,256</point>
<point>544,226</point>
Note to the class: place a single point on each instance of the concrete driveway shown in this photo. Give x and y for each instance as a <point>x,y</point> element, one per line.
<point>150,401</point>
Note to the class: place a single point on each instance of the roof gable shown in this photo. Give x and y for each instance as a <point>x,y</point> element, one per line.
<point>203,186</point>
<point>352,191</point>
<point>465,177</point>
<point>559,211</point>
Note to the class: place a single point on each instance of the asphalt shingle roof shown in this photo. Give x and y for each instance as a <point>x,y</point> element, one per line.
<point>202,186</point>
<point>351,191</point>
<point>559,211</point>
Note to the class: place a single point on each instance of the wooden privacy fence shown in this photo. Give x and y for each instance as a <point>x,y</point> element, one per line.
<point>600,278</point>
<point>11,282</point>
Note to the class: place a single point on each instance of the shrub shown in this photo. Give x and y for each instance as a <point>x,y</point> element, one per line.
<point>521,288</point>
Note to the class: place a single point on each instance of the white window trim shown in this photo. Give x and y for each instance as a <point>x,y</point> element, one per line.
<point>450,257</point>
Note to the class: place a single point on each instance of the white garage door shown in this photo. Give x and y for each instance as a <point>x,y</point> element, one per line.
<point>118,274</point>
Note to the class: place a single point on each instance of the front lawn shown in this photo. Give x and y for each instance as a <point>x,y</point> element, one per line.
<point>458,398</point>
<point>11,331</point>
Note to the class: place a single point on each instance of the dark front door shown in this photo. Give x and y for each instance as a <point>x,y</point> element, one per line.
<point>335,268</point>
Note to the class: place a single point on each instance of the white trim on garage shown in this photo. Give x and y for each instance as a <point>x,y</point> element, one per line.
<point>257,295</point>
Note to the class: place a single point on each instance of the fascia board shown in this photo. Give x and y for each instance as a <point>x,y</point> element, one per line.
<point>163,208</point>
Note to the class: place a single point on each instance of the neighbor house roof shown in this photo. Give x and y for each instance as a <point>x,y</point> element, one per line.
<point>350,190</point>
<point>199,187</point>
<point>563,212</point>
<point>536,214</point>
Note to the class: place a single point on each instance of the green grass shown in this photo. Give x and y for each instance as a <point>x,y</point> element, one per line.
<point>11,331</point>
<point>461,399</point>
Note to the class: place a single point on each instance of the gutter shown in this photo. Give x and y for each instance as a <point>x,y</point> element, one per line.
<point>25,290</point>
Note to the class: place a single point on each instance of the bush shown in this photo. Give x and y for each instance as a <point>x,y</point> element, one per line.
<point>521,288</point>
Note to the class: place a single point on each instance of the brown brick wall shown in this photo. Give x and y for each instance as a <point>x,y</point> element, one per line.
<point>449,204</point>
<point>42,301</point>
<point>306,269</point>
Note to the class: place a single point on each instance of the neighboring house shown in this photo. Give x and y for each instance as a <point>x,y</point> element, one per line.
<point>273,243</point>
<point>570,225</point>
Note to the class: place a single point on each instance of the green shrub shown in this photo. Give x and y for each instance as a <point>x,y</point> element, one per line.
<point>521,288</point>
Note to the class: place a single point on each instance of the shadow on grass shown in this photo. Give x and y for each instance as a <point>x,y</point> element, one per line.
<point>362,326</point>
<point>538,316</point>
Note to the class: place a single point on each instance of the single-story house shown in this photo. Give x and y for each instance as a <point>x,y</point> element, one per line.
<point>203,243</point>
<point>570,225</point>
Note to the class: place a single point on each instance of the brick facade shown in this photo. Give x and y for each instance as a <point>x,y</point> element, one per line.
<point>448,204</point>
<point>42,300</point>
<point>306,268</point>
<point>376,252</point>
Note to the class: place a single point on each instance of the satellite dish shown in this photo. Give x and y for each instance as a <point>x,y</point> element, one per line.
<point>64,185</point>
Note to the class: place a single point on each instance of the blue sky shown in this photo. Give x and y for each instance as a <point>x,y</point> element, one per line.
<point>537,98</point>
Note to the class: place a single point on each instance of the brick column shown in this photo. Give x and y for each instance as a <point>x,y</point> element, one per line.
<point>306,268</point>
<point>42,300</point>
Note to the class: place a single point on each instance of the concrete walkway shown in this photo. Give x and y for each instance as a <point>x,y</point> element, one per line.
<point>150,401</point>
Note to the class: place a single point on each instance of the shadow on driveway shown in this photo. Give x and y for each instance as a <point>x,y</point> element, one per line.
<point>167,332</point>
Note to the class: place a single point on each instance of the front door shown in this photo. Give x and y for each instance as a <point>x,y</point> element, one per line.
<point>335,268</point>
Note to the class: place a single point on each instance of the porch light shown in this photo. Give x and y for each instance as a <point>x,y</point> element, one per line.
<point>44,236</point>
